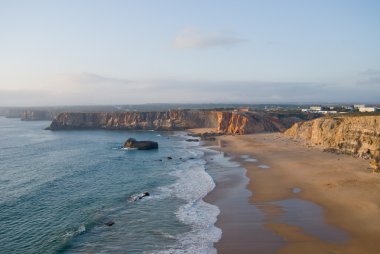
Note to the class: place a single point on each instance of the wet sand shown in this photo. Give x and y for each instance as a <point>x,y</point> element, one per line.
<point>238,219</point>
<point>290,198</point>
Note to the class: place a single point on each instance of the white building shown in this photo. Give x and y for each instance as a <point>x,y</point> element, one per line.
<point>315,108</point>
<point>359,106</point>
<point>367,109</point>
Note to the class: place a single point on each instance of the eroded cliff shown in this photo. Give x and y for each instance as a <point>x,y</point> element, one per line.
<point>168,120</point>
<point>37,115</point>
<point>246,123</point>
<point>228,122</point>
<point>355,135</point>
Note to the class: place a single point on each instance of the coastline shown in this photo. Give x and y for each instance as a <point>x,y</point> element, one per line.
<point>337,198</point>
<point>238,219</point>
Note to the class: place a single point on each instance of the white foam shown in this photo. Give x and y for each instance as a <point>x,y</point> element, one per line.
<point>128,148</point>
<point>227,162</point>
<point>81,229</point>
<point>248,158</point>
<point>192,185</point>
<point>138,196</point>
<point>263,166</point>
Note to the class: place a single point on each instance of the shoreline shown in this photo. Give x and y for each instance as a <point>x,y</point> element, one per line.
<point>337,192</point>
<point>230,195</point>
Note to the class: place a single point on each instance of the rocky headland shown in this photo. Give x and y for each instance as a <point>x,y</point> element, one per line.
<point>353,135</point>
<point>227,122</point>
<point>37,115</point>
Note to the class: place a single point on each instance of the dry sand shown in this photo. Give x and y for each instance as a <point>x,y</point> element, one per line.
<point>339,189</point>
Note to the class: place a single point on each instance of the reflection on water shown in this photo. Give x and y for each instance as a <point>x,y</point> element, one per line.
<point>296,190</point>
<point>309,217</point>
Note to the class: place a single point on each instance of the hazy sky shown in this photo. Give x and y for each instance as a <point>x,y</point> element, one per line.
<point>128,52</point>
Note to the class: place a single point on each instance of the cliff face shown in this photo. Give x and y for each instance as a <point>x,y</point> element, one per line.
<point>222,121</point>
<point>246,123</point>
<point>169,120</point>
<point>36,115</point>
<point>355,135</point>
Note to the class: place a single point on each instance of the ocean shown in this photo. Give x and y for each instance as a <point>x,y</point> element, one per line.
<point>60,189</point>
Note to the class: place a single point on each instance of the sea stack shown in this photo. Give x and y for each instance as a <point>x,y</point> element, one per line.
<point>140,145</point>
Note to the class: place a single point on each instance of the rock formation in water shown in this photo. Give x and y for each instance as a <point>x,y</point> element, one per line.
<point>229,122</point>
<point>140,145</point>
<point>354,135</point>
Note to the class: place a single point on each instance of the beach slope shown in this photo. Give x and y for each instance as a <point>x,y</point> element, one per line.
<point>313,201</point>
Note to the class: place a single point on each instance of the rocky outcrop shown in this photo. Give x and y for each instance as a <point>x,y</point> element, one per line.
<point>168,120</point>
<point>36,115</point>
<point>228,122</point>
<point>355,135</point>
<point>247,122</point>
<point>140,145</point>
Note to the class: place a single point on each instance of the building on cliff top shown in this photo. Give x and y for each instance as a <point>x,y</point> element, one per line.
<point>368,109</point>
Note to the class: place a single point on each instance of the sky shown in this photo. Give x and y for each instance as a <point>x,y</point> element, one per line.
<point>84,52</point>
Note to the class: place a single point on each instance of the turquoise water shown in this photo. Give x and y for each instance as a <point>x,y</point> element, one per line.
<point>58,189</point>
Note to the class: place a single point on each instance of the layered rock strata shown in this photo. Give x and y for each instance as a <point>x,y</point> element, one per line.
<point>228,122</point>
<point>354,135</point>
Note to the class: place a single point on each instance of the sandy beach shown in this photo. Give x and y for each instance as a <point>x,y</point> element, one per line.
<point>290,198</point>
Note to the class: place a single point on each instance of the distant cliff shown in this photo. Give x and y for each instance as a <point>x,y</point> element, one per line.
<point>223,121</point>
<point>355,135</point>
<point>168,120</point>
<point>37,115</point>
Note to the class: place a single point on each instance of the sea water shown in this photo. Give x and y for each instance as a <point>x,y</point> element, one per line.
<point>59,189</point>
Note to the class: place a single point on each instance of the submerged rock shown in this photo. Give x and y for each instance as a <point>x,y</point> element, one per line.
<point>140,145</point>
<point>207,136</point>
<point>109,223</point>
<point>192,140</point>
<point>138,196</point>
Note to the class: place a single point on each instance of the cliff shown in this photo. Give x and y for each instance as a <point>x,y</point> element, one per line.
<point>168,120</point>
<point>37,115</point>
<point>223,121</point>
<point>354,135</point>
<point>246,122</point>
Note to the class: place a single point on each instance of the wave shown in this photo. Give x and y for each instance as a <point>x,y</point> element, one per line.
<point>71,234</point>
<point>192,185</point>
